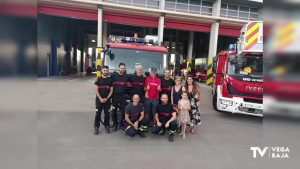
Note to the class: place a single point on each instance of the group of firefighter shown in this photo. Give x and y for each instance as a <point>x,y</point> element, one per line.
<point>161,103</point>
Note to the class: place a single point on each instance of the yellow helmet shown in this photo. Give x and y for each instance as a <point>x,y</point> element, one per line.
<point>247,69</point>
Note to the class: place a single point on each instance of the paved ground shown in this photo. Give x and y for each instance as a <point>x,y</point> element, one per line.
<point>65,139</point>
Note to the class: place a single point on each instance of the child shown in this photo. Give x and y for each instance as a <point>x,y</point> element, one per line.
<point>184,106</point>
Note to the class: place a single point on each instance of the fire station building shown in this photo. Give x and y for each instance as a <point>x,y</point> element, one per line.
<point>69,30</point>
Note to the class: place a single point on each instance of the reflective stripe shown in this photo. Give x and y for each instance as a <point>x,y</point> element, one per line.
<point>165,114</point>
<point>103,87</point>
<point>96,109</point>
<point>161,131</point>
<point>137,83</point>
<point>172,131</point>
<point>120,83</point>
<point>127,128</point>
<point>144,126</point>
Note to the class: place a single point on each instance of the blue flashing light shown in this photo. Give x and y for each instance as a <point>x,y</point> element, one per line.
<point>136,40</point>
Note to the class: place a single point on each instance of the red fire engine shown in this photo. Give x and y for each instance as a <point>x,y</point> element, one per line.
<point>238,74</point>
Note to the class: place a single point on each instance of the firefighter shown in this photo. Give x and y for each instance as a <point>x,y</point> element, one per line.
<point>134,117</point>
<point>104,91</point>
<point>137,81</point>
<point>167,83</point>
<point>120,81</point>
<point>165,118</point>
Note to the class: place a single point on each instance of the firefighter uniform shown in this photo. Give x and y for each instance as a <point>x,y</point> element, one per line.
<point>137,83</point>
<point>164,115</point>
<point>104,85</point>
<point>134,113</point>
<point>119,99</point>
<point>166,87</point>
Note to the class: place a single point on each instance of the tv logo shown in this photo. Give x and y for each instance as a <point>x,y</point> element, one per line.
<point>273,152</point>
<point>261,152</point>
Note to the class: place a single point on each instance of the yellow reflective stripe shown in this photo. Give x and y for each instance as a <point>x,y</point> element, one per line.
<point>127,128</point>
<point>209,71</point>
<point>252,39</point>
<point>253,28</point>
<point>287,29</point>
<point>172,132</point>
<point>209,81</point>
<point>286,40</point>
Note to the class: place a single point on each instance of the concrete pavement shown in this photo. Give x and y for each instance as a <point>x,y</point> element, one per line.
<point>65,137</point>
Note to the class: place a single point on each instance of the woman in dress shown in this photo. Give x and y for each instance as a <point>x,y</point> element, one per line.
<point>193,91</point>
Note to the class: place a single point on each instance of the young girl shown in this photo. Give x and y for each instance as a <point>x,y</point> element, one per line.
<point>184,106</point>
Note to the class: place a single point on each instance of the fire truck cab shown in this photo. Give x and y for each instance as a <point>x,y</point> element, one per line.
<point>135,51</point>
<point>238,74</point>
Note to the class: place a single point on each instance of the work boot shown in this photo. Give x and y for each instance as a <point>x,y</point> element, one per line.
<point>141,134</point>
<point>96,131</point>
<point>115,126</point>
<point>107,131</point>
<point>122,127</point>
<point>171,139</point>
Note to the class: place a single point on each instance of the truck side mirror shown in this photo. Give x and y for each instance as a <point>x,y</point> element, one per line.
<point>214,65</point>
<point>112,56</point>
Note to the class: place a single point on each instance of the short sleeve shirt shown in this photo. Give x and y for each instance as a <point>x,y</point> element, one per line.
<point>153,83</point>
<point>137,83</point>
<point>104,85</point>
<point>119,83</point>
<point>164,111</point>
<point>134,112</point>
<point>166,86</point>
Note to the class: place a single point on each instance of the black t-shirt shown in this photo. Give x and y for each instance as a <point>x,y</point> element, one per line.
<point>104,85</point>
<point>164,112</point>
<point>137,83</point>
<point>134,112</point>
<point>119,83</point>
<point>166,86</point>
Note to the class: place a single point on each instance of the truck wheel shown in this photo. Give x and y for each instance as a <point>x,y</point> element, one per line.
<point>215,101</point>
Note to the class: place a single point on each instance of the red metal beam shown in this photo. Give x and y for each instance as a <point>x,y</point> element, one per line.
<point>130,19</point>
<point>187,25</point>
<point>59,10</point>
<point>230,30</point>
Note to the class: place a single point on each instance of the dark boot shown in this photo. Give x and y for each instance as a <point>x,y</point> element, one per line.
<point>107,131</point>
<point>171,138</point>
<point>141,134</point>
<point>96,131</point>
<point>115,127</point>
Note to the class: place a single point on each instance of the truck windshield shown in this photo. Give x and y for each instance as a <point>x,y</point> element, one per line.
<point>132,57</point>
<point>247,65</point>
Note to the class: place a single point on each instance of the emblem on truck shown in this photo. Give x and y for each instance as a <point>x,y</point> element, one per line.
<point>254,88</point>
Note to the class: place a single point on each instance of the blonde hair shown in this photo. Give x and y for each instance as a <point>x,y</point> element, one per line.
<point>139,67</point>
<point>178,78</point>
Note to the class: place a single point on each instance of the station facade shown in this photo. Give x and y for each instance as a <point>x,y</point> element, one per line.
<point>68,31</point>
